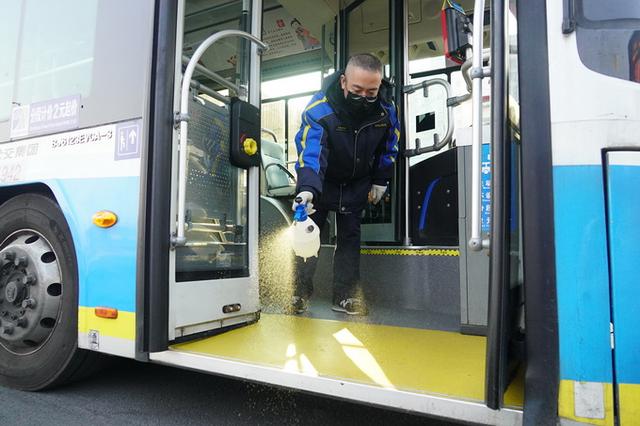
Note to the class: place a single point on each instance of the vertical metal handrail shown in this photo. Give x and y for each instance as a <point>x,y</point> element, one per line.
<point>183,118</point>
<point>476,241</point>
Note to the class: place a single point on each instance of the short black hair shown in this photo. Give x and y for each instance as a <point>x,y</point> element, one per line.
<point>366,61</point>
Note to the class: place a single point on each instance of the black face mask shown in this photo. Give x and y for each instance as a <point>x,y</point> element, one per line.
<point>360,105</point>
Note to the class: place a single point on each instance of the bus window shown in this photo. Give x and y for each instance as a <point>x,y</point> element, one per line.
<point>597,10</point>
<point>608,35</point>
<point>56,48</point>
<point>295,106</point>
<point>8,47</point>
<point>273,119</point>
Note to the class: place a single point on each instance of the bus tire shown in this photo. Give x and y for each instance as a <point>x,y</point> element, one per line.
<point>38,297</point>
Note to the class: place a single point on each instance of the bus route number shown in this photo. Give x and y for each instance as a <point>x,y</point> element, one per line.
<point>10,173</point>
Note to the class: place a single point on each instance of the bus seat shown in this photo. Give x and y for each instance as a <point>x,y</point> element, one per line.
<point>279,181</point>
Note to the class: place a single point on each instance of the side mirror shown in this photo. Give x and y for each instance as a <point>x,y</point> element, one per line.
<point>456,33</point>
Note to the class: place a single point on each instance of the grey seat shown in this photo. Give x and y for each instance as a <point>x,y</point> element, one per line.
<point>278,180</point>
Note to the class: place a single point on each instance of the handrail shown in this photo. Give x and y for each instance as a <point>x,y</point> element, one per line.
<point>270,133</point>
<point>476,242</point>
<point>213,75</point>
<point>287,171</point>
<point>438,144</point>
<point>206,90</point>
<point>183,117</point>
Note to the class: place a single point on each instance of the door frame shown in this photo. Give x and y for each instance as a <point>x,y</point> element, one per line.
<point>152,289</point>
<point>538,236</point>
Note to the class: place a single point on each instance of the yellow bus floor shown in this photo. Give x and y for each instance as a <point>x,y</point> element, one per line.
<point>414,360</point>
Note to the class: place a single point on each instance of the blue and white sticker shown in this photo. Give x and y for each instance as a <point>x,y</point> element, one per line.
<point>53,115</point>
<point>486,188</point>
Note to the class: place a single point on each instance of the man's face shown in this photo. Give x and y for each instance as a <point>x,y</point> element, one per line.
<point>360,82</point>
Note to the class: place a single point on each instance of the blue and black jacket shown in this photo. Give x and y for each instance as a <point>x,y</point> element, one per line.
<point>339,156</point>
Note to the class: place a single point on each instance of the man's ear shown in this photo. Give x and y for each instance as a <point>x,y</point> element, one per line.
<point>343,82</point>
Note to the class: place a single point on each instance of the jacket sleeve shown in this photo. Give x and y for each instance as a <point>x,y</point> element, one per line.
<point>311,143</point>
<point>389,151</point>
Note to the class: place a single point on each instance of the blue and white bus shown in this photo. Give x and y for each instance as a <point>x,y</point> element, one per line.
<point>146,179</point>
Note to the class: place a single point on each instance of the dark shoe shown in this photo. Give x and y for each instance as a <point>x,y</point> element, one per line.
<point>351,306</point>
<point>299,304</point>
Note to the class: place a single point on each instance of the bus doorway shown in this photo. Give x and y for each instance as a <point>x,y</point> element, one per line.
<point>425,335</point>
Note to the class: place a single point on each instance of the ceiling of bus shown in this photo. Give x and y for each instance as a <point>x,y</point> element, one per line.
<point>368,31</point>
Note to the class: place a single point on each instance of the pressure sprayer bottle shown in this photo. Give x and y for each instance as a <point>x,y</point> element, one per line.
<point>305,233</point>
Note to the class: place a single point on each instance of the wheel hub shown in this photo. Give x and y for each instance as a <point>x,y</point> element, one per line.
<point>14,292</point>
<point>30,291</point>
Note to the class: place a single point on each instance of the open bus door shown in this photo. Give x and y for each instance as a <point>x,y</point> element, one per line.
<point>494,230</point>
<point>213,273</point>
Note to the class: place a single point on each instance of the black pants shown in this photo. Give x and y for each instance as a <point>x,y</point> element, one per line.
<point>346,258</point>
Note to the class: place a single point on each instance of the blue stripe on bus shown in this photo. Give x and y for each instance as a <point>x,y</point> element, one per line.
<point>106,257</point>
<point>582,273</point>
<point>624,238</point>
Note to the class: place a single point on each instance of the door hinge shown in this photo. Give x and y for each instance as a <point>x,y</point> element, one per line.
<point>613,345</point>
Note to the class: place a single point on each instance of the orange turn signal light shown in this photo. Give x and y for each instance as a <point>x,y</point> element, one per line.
<point>110,313</point>
<point>105,219</point>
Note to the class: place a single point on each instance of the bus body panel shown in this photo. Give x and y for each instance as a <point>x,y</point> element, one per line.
<point>107,48</point>
<point>85,179</point>
<point>589,112</point>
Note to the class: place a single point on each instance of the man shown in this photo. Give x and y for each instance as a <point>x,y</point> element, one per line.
<point>347,144</point>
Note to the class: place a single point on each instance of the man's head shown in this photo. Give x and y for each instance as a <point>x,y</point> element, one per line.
<point>362,77</point>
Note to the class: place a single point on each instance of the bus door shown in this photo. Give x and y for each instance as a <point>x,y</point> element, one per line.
<point>505,319</point>
<point>213,270</point>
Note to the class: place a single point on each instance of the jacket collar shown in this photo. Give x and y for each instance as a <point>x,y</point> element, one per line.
<point>335,96</point>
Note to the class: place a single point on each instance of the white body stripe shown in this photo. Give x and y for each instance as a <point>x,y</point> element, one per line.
<point>624,158</point>
<point>85,153</point>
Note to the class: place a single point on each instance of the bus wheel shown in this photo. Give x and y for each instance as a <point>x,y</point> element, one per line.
<point>38,296</point>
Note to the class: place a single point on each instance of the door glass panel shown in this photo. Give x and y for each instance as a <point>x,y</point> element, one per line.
<point>216,192</point>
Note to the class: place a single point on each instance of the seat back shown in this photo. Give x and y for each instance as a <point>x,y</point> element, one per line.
<point>275,176</point>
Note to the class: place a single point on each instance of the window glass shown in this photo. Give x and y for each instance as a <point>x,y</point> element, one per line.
<point>291,85</point>
<point>9,26</point>
<point>601,10</point>
<point>608,46</point>
<point>273,120</point>
<point>56,50</point>
<point>295,106</point>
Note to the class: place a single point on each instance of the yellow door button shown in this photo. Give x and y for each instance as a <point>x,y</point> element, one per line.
<point>250,146</point>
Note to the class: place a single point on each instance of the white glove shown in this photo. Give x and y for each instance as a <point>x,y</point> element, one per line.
<point>306,200</point>
<point>376,193</point>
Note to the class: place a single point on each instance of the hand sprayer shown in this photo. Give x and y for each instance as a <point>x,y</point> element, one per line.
<point>305,233</point>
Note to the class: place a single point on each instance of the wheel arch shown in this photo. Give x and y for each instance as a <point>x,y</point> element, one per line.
<point>54,192</point>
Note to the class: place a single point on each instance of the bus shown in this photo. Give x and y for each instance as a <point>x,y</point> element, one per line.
<point>146,180</point>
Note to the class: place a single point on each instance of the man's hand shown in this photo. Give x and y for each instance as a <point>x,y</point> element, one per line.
<point>376,193</point>
<point>305,198</point>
